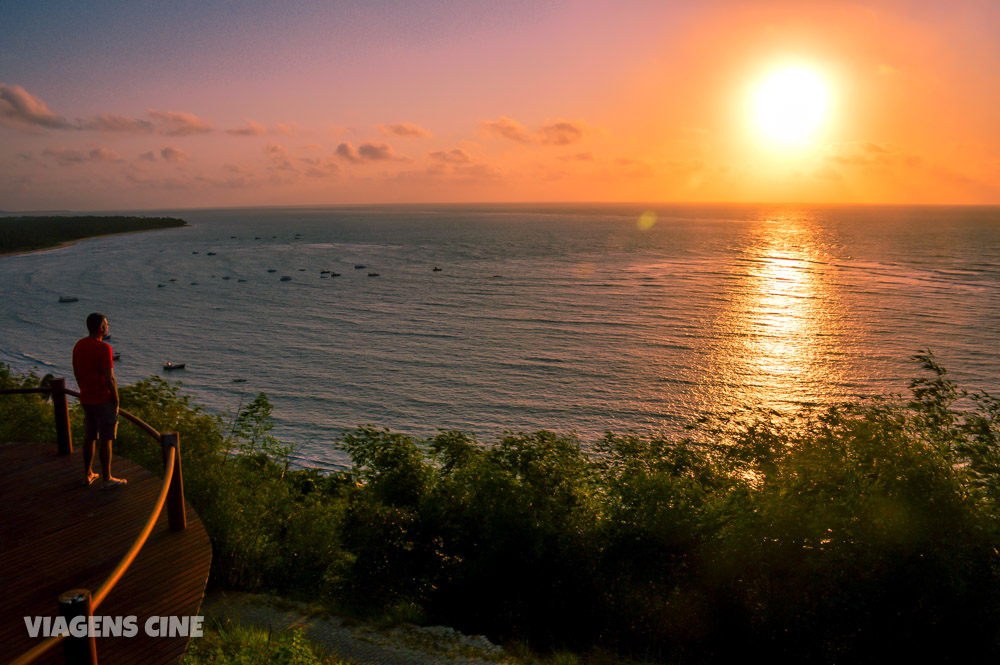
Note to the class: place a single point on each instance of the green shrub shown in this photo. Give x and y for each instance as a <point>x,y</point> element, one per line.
<point>234,644</point>
<point>867,531</point>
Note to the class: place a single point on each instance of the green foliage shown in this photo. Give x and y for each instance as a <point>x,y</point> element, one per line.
<point>25,418</point>
<point>234,644</point>
<point>867,531</point>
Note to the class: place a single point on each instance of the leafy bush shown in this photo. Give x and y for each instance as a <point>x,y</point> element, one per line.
<point>868,531</point>
<point>234,644</point>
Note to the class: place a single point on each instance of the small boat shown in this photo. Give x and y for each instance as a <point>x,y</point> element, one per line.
<point>241,280</point>
<point>334,274</point>
<point>226,278</point>
<point>68,299</point>
<point>373,274</point>
<point>160,286</point>
<point>211,253</point>
<point>171,366</point>
<point>239,380</point>
<point>360,267</point>
<point>436,269</point>
<point>117,356</point>
<point>324,272</point>
<point>285,278</point>
<point>272,270</point>
<point>194,252</point>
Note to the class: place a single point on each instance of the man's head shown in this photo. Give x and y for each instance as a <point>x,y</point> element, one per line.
<point>95,322</point>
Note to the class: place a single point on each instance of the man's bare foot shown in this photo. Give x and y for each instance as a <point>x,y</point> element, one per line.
<point>91,477</point>
<point>114,482</point>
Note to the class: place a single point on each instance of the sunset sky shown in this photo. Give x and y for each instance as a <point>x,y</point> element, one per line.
<point>143,105</point>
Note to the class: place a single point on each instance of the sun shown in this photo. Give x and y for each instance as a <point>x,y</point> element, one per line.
<point>791,104</point>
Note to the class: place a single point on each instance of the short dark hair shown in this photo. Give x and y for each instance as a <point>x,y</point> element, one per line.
<point>94,322</point>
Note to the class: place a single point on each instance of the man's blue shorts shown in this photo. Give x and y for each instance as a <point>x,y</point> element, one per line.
<point>100,421</point>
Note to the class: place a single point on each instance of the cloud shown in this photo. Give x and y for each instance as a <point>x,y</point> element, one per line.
<point>505,128</point>
<point>376,151</point>
<point>578,157</point>
<point>22,110</point>
<point>256,129</point>
<point>148,156</point>
<point>252,129</point>
<point>455,156</point>
<point>562,132</point>
<point>634,168</point>
<point>174,155</point>
<point>348,152</point>
<point>404,130</point>
<point>70,157</point>
<point>320,167</point>
<point>178,123</point>
<point>111,122</point>
<point>478,171</point>
<point>279,156</point>
<point>367,151</point>
<point>866,153</point>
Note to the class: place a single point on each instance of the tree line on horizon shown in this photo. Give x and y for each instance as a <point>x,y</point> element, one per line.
<point>26,233</point>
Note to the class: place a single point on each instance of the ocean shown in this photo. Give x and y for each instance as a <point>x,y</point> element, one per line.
<point>495,318</point>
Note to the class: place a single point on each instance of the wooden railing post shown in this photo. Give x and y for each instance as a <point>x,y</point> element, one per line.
<point>63,437</point>
<point>78,650</point>
<point>175,495</point>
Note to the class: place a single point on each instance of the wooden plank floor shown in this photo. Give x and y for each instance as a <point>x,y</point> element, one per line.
<point>57,535</point>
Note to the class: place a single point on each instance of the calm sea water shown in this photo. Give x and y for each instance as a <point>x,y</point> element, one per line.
<point>571,318</point>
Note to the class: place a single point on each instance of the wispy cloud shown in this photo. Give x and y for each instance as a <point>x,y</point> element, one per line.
<point>174,155</point>
<point>257,129</point>
<point>578,157</point>
<point>70,157</point>
<point>20,109</point>
<point>403,130</point>
<point>251,129</point>
<point>558,133</point>
<point>179,123</point>
<point>455,156</point>
<point>869,154</point>
<point>111,122</point>
<point>505,128</point>
<point>279,156</point>
<point>477,172</point>
<point>320,167</point>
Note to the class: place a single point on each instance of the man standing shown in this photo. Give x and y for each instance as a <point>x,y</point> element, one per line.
<point>93,368</point>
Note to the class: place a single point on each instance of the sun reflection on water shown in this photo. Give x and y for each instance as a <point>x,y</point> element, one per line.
<point>778,337</point>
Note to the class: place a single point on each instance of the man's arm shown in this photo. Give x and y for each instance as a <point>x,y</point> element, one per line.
<point>109,376</point>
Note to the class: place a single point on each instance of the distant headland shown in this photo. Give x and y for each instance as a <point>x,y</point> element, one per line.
<point>37,232</point>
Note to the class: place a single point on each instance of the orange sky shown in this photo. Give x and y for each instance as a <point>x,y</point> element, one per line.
<point>111,107</point>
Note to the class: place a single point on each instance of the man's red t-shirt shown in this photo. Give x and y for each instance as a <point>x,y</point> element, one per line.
<point>90,358</point>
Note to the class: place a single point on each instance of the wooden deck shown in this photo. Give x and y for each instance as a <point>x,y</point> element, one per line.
<point>57,535</point>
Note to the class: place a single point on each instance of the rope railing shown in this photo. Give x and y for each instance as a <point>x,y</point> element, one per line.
<point>80,602</point>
